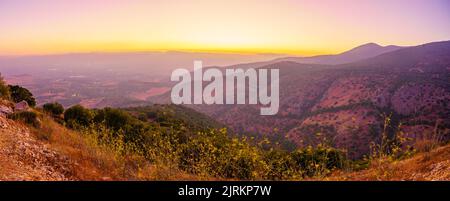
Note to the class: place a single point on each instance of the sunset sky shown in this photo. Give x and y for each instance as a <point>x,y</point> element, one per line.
<point>253,26</point>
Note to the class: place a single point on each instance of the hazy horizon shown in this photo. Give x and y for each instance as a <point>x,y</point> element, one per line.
<point>212,52</point>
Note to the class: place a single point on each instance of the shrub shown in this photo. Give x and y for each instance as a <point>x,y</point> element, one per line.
<point>19,93</point>
<point>318,161</point>
<point>113,118</point>
<point>142,117</point>
<point>77,116</point>
<point>214,154</point>
<point>55,108</point>
<point>281,166</point>
<point>240,160</point>
<point>4,89</point>
<point>27,117</point>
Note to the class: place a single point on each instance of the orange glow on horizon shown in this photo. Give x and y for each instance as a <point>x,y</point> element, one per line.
<point>296,27</point>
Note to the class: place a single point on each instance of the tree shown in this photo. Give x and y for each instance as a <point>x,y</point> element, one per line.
<point>77,115</point>
<point>19,93</point>
<point>55,108</point>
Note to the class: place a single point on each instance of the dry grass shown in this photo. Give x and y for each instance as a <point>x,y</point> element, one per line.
<point>430,141</point>
<point>427,166</point>
<point>91,161</point>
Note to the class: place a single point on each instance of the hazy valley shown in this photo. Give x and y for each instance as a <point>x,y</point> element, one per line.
<point>348,102</point>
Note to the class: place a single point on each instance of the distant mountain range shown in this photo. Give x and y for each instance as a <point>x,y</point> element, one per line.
<point>356,54</point>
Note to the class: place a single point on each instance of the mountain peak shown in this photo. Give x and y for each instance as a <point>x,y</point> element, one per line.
<point>355,54</point>
<point>367,46</point>
<point>370,45</point>
<point>369,50</point>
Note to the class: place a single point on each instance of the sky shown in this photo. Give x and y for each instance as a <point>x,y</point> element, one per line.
<point>301,27</point>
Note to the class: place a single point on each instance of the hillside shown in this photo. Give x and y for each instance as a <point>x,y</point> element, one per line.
<point>68,156</point>
<point>176,114</point>
<point>433,165</point>
<point>51,151</point>
<point>23,157</point>
<point>349,103</point>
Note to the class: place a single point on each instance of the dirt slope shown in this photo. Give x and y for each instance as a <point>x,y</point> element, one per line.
<point>24,158</point>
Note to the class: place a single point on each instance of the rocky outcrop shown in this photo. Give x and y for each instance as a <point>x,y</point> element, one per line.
<point>5,110</point>
<point>21,106</point>
<point>24,158</point>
